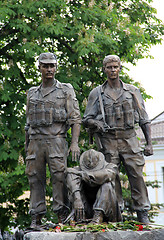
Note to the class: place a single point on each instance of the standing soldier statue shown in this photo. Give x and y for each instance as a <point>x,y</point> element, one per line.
<point>52,108</point>
<point>111,113</point>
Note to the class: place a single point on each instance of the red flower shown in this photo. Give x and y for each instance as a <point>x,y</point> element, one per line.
<point>140,227</point>
<point>103,230</point>
<point>58,229</point>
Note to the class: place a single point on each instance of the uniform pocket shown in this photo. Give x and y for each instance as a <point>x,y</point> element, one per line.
<point>134,144</point>
<point>59,115</point>
<point>57,163</point>
<point>30,157</point>
<point>30,165</point>
<point>128,112</point>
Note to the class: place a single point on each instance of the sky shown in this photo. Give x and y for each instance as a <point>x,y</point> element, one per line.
<point>150,72</point>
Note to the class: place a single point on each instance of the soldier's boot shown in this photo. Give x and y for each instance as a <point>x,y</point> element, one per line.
<point>35,221</point>
<point>38,219</point>
<point>142,216</point>
<point>97,217</point>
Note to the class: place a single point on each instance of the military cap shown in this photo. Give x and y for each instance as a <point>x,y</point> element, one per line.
<point>47,58</point>
<point>92,160</point>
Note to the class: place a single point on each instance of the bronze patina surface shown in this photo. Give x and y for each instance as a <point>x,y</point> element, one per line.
<point>52,108</point>
<point>92,189</point>
<point>112,111</point>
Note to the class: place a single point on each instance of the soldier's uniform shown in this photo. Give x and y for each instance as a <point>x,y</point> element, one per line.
<point>50,113</point>
<point>120,143</point>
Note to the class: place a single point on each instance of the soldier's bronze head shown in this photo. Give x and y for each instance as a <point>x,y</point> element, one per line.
<point>47,67</point>
<point>110,59</point>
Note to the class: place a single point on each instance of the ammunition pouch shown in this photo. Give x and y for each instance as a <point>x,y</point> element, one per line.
<point>44,113</point>
<point>120,114</point>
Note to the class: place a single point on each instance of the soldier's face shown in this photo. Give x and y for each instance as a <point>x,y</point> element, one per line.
<point>112,70</point>
<point>47,70</point>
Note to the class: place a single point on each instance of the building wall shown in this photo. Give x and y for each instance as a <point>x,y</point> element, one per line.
<point>154,165</point>
<point>154,169</point>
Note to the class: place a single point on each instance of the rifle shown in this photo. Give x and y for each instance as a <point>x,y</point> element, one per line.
<point>106,126</point>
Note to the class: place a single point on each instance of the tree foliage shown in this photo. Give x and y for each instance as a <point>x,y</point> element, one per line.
<point>81,33</point>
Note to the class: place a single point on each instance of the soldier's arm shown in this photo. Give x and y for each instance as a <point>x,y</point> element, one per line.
<point>74,120</point>
<point>147,133</point>
<point>144,122</point>
<point>99,177</point>
<point>92,118</point>
<point>78,207</point>
<point>29,93</point>
<point>74,186</point>
<point>74,148</point>
<point>91,110</point>
<point>27,126</point>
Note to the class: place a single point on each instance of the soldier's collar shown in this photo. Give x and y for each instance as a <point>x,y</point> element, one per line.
<point>124,86</point>
<point>103,85</point>
<point>56,84</point>
<point>49,90</point>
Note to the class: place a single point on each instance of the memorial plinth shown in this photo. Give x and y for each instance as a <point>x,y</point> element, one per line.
<point>157,234</point>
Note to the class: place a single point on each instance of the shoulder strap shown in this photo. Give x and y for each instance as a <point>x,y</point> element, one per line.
<point>99,90</point>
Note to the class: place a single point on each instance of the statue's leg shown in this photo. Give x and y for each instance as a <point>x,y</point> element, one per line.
<point>139,192</point>
<point>110,150</point>
<point>36,172</point>
<point>106,201</point>
<point>57,164</point>
<point>133,161</point>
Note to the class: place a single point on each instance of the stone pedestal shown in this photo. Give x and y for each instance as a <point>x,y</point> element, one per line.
<point>111,235</point>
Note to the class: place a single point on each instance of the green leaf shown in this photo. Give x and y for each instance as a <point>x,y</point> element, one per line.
<point>80,34</point>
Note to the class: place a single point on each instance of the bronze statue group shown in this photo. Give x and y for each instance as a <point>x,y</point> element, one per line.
<point>90,192</point>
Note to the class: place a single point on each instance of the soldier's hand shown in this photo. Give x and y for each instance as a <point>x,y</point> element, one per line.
<point>74,148</point>
<point>79,210</point>
<point>99,126</point>
<point>85,177</point>
<point>148,151</point>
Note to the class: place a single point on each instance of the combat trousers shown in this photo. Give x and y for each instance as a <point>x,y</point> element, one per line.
<point>105,200</point>
<point>98,197</point>
<point>129,152</point>
<point>40,153</point>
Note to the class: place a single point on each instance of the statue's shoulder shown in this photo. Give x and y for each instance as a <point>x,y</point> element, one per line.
<point>32,90</point>
<point>131,87</point>
<point>67,87</point>
<point>95,92</point>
